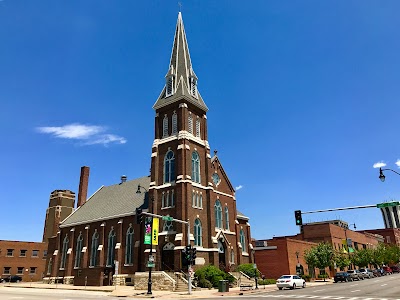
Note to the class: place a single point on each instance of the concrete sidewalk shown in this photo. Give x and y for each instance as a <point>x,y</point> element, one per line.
<point>129,291</point>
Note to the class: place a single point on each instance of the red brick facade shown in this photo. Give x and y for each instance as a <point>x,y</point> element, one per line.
<point>390,235</point>
<point>26,259</point>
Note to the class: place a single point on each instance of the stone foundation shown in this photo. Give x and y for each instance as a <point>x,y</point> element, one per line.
<point>160,281</point>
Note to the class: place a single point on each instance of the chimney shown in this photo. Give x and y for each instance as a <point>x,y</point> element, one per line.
<point>83,186</point>
<point>123,178</point>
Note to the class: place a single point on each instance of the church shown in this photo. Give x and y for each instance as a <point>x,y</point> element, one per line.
<point>101,243</point>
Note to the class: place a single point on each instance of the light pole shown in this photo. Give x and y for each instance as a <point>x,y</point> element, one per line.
<point>255,269</point>
<point>382,177</point>
<point>149,283</point>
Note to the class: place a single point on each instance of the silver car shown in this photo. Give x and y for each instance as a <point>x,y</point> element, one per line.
<point>355,275</point>
<point>367,273</point>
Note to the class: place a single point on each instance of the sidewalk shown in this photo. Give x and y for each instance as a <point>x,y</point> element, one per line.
<point>129,291</point>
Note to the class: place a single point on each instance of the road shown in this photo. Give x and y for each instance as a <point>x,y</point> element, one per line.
<point>380,288</point>
<point>12,293</point>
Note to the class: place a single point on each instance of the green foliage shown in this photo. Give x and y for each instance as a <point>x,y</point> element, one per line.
<point>341,259</point>
<point>320,256</point>
<point>323,276</point>
<point>204,283</point>
<point>306,277</point>
<point>211,274</point>
<point>247,269</point>
<point>362,257</point>
<point>266,281</point>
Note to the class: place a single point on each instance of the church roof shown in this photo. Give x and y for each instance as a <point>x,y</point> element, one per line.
<point>180,67</point>
<point>110,202</point>
<point>241,216</point>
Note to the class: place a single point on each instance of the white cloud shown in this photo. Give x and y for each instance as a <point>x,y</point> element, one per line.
<point>398,163</point>
<point>238,187</point>
<point>89,134</point>
<point>379,164</point>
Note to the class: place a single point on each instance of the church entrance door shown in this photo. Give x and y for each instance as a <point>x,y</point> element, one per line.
<point>221,255</point>
<point>168,257</point>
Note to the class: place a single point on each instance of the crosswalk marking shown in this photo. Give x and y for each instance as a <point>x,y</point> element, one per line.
<point>314,297</point>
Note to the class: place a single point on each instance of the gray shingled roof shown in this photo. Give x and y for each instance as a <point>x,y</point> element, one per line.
<point>110,202</point>
<point>241,216</point>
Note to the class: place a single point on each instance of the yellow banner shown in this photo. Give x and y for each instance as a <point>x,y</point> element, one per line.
<point>154,234</point>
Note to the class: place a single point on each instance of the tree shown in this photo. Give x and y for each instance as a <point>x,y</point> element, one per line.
<point>341,259</point>
<point>320,256</point>
<point>362,257</point>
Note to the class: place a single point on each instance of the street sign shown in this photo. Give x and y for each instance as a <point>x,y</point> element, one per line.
<point>167,218</point>
<point>254,266</point>
<point>388,204</point>
<point>151,258</point>
<point>150,264</point>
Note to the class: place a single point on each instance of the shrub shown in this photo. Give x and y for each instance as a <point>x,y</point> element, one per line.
<point>247,269</point>
<point>306,277</point>
<point>322,276</point>
<point>212,274</point>
<point>204,283</point>
<point>266,281</point>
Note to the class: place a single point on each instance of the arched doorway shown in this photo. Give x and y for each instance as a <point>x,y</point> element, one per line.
<point>167,257</point>
<point>221,254</point>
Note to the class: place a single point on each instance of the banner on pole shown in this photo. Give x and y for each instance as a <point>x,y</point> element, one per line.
<point>155,231</point>
<point>147,230</point>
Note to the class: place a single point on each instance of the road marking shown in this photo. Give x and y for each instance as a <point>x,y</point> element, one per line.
<point>319,290</point>
<point>383,284</point>
<point>355,291</point>
<point>354,284</point>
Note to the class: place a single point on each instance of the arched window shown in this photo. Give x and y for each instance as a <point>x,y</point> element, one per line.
<point>198,127</point>
<point>190,123</point>
<point>78,250</point>
<point>165,126</point>
<point>243,241</point>
<point>169,86</point>
<point>174,123</point>
<point>226,218</point>
<point>169,167</point>
<point>111,248</point>
<point>218,214</point>
<point>168,226</point>
<point>64,252</point>
<point>129,246</point>
<point>197,233</point>
<point>195,167</point>
<point>50,266</point>
<point>201,200</point>
<point>93,249</point>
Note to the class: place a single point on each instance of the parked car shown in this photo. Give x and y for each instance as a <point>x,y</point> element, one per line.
<point>290,281</point>
<point>377,272</point>
<point>342,276</point>
<point>395,269</point>
<point>388,270</point>
<point>367,273</point>
<point>13,278</point>
<point>355,275</point>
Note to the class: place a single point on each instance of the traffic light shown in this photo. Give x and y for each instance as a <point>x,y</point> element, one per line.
<point>186,255</point>
<point>193,258</point>
<point>297,215</point>
<point>139,216</point>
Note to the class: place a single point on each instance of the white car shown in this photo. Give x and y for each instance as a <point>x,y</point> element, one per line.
<point>290,281</point>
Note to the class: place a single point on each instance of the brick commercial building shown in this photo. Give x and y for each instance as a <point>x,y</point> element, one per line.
<point>390,235</point>
<point>101,244</point>
<point>25,259</point>
<point>283,255</point>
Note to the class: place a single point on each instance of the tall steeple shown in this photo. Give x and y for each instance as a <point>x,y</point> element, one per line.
<point>181,81</point>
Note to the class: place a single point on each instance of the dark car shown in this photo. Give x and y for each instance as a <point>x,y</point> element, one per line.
<point>13,278</point>
<point>395,269</point>
<point>342,276</point>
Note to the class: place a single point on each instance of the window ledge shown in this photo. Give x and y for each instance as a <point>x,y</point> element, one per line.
<point>245,253</point>
<point>128,265</point>
<point>62,269</point>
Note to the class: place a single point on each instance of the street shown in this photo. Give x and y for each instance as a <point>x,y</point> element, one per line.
<point>380,288</point>
<point>14,293</point>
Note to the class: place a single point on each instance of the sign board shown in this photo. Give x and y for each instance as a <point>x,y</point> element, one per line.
<point>150,264</point>
<point>116,262</point>
<point>147,230</point>
<point>151,258</point>
<point>388,204</point>
<point>167,218</point>
<point>154,231</point>
<point>254,266</point>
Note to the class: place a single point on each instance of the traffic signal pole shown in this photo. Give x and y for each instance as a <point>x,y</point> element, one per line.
<point>188,241</point>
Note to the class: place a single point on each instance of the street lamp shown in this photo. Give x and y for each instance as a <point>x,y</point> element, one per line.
<point>382,177</point>
<point>255,269</point>
<point>149,283</point>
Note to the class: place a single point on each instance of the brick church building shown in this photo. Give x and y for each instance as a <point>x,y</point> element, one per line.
<point>100,243</point>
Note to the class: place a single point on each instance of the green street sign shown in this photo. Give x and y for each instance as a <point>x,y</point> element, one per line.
<point>167,218</point>
<point>388,204</point>
<point>150,264</point>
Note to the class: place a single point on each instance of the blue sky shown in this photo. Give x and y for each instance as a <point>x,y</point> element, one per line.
<point>303,99</point>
